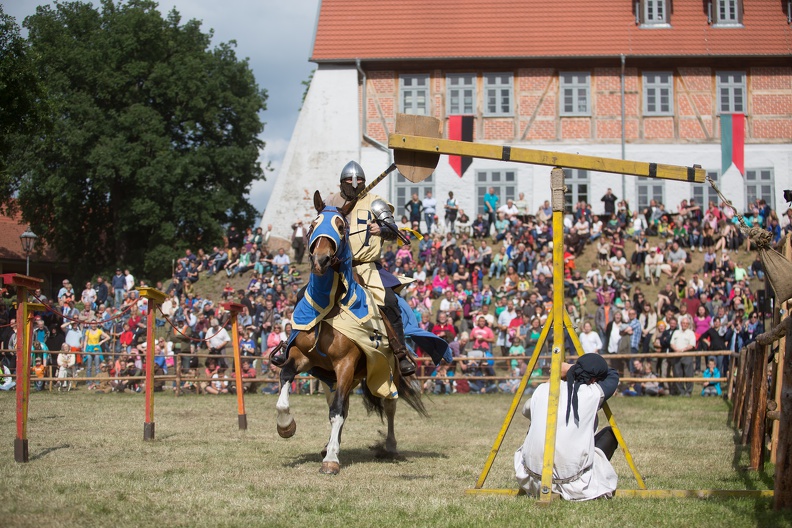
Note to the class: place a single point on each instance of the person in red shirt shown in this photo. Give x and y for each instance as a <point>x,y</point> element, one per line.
<point>443,328</point>
<point>126,338</point>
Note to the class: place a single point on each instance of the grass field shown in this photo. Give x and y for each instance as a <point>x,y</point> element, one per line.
<point>90,467</point>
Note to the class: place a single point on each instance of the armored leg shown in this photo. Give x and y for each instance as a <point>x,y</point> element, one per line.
<point>393,313</point>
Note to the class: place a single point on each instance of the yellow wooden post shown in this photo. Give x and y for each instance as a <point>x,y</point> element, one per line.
<point>155,300</point>
<point>557,188</point>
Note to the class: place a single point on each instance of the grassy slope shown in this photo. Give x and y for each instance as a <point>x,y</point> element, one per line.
<point>90,467</point>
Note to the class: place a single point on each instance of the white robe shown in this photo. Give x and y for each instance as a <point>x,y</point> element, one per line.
<point>574,448</point>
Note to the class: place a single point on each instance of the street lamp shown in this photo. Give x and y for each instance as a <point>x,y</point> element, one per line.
<point>28,239</point>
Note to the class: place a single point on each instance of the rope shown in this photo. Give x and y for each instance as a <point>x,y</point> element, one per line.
<point>195,339</point>
<point>119,315</point>
<point>761,237</point>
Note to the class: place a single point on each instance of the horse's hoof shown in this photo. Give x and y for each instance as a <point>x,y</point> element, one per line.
<point>330,468</point>
<point>289,430</point>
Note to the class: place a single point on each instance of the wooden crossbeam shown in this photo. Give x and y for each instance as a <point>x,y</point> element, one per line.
<point>693,174</point>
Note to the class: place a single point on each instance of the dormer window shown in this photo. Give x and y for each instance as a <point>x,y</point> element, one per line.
<point>726,12</point>
<point>652,12</point>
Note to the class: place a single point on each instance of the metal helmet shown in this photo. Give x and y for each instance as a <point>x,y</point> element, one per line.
<point>354,172</point>
<point>382,212</point>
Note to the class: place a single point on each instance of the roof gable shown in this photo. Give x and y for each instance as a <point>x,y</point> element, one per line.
<point>457,29</point>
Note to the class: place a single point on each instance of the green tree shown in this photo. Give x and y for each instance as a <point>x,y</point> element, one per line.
<point>154,139</point>
<point>21,98</point>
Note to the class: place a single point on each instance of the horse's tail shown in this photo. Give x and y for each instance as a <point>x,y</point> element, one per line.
<point>407,391</point>
<point>410,392</point>
<point>373,404</point>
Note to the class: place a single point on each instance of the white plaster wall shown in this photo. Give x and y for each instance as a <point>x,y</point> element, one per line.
<point>325,138</point>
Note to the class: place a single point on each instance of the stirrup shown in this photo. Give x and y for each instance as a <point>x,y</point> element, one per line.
<point>406,367</point>
<point>278,356</point>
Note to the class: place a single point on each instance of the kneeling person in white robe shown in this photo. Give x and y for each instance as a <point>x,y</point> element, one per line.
<point>582,468</point>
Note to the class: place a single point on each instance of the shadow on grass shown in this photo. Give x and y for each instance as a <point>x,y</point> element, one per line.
<point>368,455</point>
<point>763,512</point>
<point>47,451</point>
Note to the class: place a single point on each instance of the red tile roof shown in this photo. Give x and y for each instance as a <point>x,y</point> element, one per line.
<point>11,245</point>
<point>446,29</point>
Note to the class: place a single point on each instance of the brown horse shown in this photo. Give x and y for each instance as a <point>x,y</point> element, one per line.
<point>328,353</point>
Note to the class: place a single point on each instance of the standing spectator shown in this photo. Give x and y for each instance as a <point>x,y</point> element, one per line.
<point>635,332</point>
<point>298,241</point>
<point>504,320</point>
<point>603,316</point>
<point>129,281</point>
<point>490,207</point>
<point>95,337</point>
<point>451,210</point>
<point>590,340</point>
<point>684,340</point>
<point>88,297</point>
<point>429,210</point>
<point>66,293</point>
<point>101,291</point>
<point>609,199</point>
<point>218,339</point>
<point>118,284</point>
<point>414,208</point>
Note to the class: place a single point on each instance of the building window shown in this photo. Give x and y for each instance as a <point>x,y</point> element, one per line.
<point>654,12</point>
<point>578,186</point>
<point>728,12</point>
<point>759,185</point>
<point>658,93</point>
<point>499,93</point>
<point>503,181</point>
<point>703,193</point>
<point>647,189</point>
<point>461,94</point>
<point>414,94</point>
<point>731,92</point>
<point>575,93</point>
<point>404,189</point>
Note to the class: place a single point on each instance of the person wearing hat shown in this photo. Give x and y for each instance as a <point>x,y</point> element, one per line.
<point>581,466</point>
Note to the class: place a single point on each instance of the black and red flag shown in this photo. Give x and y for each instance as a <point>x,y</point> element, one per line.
<point>460,128</point>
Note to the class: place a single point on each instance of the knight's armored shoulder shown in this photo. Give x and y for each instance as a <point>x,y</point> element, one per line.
<point>383,212</point>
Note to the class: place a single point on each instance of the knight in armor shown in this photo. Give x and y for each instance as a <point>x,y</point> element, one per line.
<point>370,222</point>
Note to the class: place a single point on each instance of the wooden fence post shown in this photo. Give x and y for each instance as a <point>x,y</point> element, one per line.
<point>782,497</point>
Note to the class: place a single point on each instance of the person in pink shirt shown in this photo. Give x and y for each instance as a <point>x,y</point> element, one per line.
<point>441,282</point>
<point>482,336</point>
<point>701,321</point>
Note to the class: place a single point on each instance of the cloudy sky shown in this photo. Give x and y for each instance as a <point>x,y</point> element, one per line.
<point>276,35</point>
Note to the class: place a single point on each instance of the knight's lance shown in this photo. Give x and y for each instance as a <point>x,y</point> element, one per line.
<point>378,179</point>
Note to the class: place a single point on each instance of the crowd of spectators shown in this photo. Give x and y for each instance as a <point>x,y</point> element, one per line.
<point>484,284</point>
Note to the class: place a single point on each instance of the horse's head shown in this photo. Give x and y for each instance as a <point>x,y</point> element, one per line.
<point>327,237</point>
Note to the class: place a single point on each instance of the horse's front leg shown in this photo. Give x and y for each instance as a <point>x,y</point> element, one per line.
<point>338,412</point>
<point>390,440</point>
<point>287,426</point>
